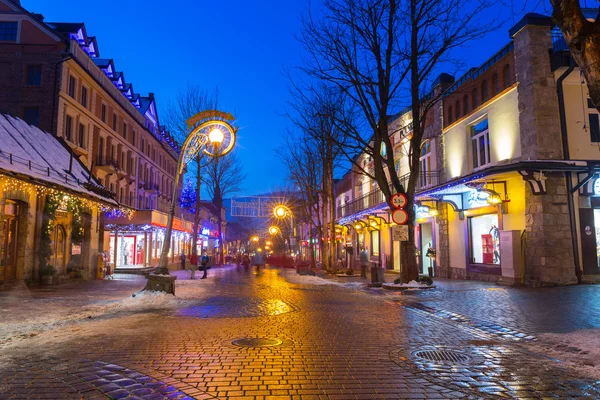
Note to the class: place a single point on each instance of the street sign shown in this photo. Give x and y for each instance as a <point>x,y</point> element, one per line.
<point>400,216</point>
<point>400,233</point>
<point>399,200</point>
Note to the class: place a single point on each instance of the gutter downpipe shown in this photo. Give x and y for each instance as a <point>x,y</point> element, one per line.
<point>568,175</point>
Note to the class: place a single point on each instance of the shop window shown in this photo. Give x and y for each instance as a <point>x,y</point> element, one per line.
<point>375,243</point>
<point>480,144</point>
<point>34,75</point>
<point>484,239</point>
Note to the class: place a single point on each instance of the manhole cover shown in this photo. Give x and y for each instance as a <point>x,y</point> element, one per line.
<point>442,356</point>
<point>257,342</point>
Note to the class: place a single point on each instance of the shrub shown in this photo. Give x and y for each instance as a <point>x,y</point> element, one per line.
<point>397,281</point>
<point>426,279</point>
<point>48,270</point>
<point>349,271</point>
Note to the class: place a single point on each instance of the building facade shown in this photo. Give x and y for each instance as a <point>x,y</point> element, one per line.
<point>57,80</point>
<point>507,188</point>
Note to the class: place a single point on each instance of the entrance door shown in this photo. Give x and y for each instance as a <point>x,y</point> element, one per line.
<point>426,241</point>
<point>590,240</point>
<point>58,248</point>
<point>8,244</point>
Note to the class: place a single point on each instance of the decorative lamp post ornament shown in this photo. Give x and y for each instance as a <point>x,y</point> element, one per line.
<point>211,134</point>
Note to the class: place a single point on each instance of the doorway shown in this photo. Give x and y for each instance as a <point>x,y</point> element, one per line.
<point>9,241</point>
<point>425,242</point>
<point>59,244</point>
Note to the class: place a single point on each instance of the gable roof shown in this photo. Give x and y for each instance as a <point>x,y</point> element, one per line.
<point>30,153</point>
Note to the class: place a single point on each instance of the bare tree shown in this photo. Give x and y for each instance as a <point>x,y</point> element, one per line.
<point>188,103</point>
<point>583,38</point>
<point>305,169</point>
<point>315,112</point>
<point>223,176</point>
<point>378,53</point>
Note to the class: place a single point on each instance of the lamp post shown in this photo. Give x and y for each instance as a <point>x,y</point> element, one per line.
<point>213,137</point>
<point>282,211</point>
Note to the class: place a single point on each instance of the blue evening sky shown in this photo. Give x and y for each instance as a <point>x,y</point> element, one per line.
<point>240,46</point>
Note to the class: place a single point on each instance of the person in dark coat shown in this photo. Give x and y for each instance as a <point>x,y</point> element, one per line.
<point>204,264</point>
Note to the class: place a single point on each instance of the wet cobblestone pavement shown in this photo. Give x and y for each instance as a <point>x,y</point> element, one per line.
<point>308,342</point>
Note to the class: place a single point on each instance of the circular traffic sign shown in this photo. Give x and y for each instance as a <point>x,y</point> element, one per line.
<point>399,200</point>
<point>400,217</point>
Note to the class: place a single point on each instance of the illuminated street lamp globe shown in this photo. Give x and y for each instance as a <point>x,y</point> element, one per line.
<point>273,230</point>
<point>281,211</point>
<point>254,239</point>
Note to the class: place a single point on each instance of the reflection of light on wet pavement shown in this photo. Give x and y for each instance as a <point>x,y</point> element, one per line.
<point>276,307</point>
<point>236,307</point>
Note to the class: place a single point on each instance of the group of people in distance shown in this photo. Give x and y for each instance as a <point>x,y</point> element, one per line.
<point>245,260</point>
<point>257,260</point>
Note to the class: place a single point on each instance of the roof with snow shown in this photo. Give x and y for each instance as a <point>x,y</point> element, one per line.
<point>30,153</point>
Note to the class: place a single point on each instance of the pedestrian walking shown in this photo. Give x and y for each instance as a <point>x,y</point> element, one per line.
<point>246,262</point>
<point>364,262</point>
<point>258,260</point>
<point>204,264</point>
<point>193,265</point>
<point>182,261</point>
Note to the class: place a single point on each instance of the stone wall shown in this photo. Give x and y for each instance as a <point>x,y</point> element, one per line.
<point>548,243</point>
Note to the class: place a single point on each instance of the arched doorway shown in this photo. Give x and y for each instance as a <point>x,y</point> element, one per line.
<point>59,242</point>
<point>9,240</point>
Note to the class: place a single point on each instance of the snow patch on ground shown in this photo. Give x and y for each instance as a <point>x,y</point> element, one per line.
<point>579,350</point>
<point>292,277</point>
<point>409,285</point>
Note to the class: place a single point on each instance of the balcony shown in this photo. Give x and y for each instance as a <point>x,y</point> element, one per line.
<point>105,166</point>
<point>426,180</point>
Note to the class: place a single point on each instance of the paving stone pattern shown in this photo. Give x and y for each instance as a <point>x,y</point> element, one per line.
<point>337,343</point>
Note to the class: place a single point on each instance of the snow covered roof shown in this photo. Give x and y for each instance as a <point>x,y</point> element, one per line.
<point>27,151</point>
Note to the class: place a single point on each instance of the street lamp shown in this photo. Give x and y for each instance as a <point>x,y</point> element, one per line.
<point>254,239</point>
<point>213,137</point>
<point>282,211</point>
<point>274,230</point>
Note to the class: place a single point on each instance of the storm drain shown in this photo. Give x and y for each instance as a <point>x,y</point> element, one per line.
<point>450,356</point>
<point>257,342</point>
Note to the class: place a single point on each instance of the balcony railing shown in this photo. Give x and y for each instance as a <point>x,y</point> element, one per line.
<point>107,162</point>
<point>375,197</point>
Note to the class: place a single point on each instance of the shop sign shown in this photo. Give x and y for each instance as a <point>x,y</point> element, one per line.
<point>75,249</point>
<point>400,216</point>
<point>177,224</point>
<point>400,233</point>
<point>477,198</point>
<point>597,187</point>
<point>205,231</point>
<point>422,212</point>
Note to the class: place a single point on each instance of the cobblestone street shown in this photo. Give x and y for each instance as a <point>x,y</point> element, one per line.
<point>304,341</point>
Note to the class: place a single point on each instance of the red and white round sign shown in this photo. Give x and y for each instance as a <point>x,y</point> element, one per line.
<point>400,217</point>
<point>399,200</point>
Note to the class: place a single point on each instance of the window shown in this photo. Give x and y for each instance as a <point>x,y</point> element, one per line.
<point>84,96</point>
<point>114,124</point>
<point>72,86</point>
<point>100,150</point>
<point>474,99</point>
<point>450,115</point>
<point>120,195</point>
<point>480,143</point>
<point>425,164</point>
<point>8,31</point>
<point>143,145</point>
<point>375,243</point>
<point>457,110</point>
<point>31,115</point>
<point>103,113</point>
<point>506,75</point>
<point>466,104</point>
<point>484,239</point>
<point>81,136</point>
<point>125,130</point>
<point>33,75</point>
<point>495,84</point>
<point>594,122</point>
<point>133,137</point>
<point>68,128</point>
<point>484,91</point>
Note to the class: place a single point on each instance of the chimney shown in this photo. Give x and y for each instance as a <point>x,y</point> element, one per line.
<point>151,95</point>
<point>38,16</point>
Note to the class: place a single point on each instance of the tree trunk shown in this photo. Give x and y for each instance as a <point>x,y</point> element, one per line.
<point>196,215</point>
<point>331,204</point>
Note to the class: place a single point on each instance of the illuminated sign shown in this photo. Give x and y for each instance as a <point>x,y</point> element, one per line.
<point>205,231</point>
<point>597,187</point>
<point>477,199</point>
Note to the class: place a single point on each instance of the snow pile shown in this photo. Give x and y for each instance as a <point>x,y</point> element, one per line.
<point>292,277</point>
<point>409,285</point>
<point>579,349</point>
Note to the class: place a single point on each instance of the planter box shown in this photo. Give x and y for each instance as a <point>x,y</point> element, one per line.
<point>393,286</point>
<point>47,280</point>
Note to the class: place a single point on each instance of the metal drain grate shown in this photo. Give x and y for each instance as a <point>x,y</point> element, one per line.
<point>257,342</point>
<point>442,356</point>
